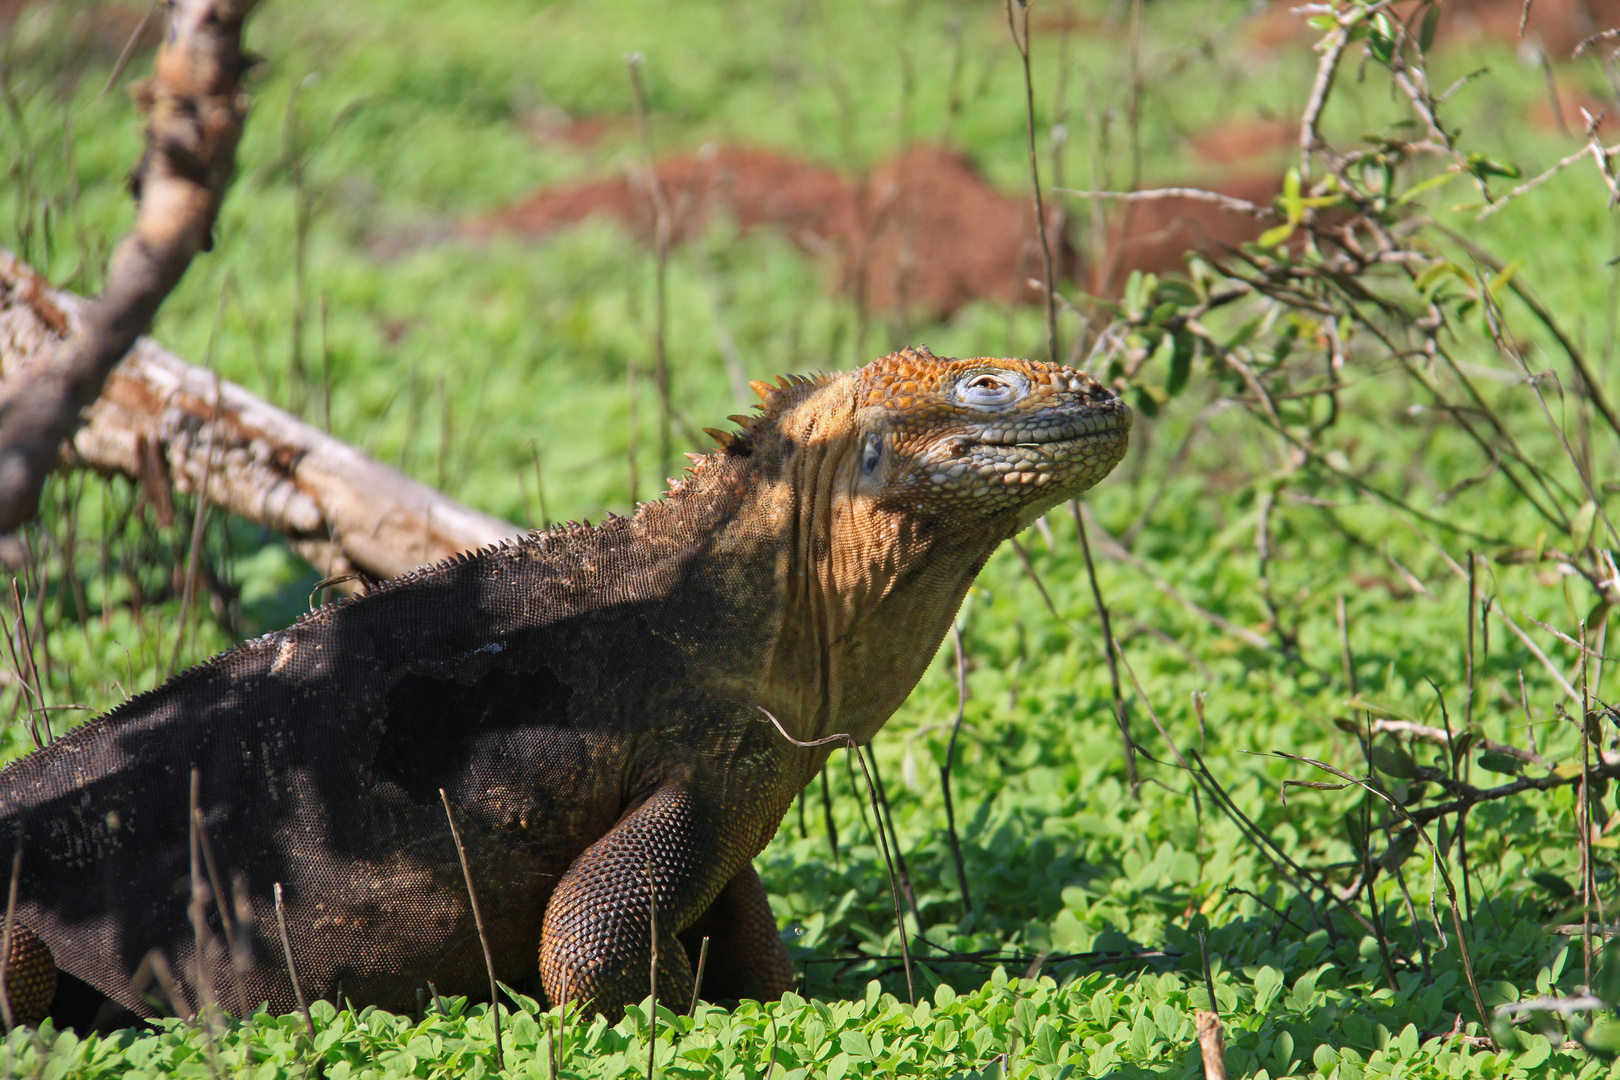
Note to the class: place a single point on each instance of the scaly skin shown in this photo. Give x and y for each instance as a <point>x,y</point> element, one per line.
<point>590,699</point>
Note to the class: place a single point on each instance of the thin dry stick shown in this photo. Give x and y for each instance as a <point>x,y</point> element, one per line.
<point>194,551</point>
<point>883,839</point>
<point>661,233</point>
<point>1121,717</point>
<point>207,999</point>
<point>697,978</point>
<point>129,50</point>
<point>26,691</point>
<point>632,450</point>
<point>1022,44</point>
<point>1583,815</point>
<point>950,760</point>
<point>292,971</point>
<point>478,923</point>
<point>887,822</point>
<point>198,908</point>
<point>1372,784</point>
<point>239,958</point>
<point>5,936</point>
<point>652,972</point>
<point>827,815</point>
<point>551,1051</point>
<point>1226,202</point>
<point>1211,1045</point>
<point>562,1025</point>
<point>195,111</point>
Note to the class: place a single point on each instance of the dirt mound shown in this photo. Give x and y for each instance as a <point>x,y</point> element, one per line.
<point>1155,235</point>
<point>924,231</point>
<point>96,31</point>
<point>1555,26</point>
<point>1572,99</point>
<point>1241,141</point>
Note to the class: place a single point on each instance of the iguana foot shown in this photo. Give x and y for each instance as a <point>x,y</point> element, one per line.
<point>746,956</point>
<point>30,977</point>
<point>595,943</point>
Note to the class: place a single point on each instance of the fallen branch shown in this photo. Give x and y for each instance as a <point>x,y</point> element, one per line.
<point>343,510</point>
<point>195,109</point>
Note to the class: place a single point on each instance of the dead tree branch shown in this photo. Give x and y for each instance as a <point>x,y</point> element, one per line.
<point>194,108</point>
<point>343,510</point>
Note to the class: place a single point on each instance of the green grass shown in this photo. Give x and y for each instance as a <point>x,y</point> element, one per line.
<point>449,359</point>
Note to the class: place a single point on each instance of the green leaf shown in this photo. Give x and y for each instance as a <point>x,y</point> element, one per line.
<point>1426,185</point>
<point>1427,28</point>
<point>1498,762</point>
<point>1607,983</point>
<point>1557,886</point>
<point>1282,1051</point>
<point>1393,759</point>
<point>1399,850</point>
<point>1276,235</point>
<point>1267,981</point>
<point>1292,205</point>
<point>1580,530</point>
<point>1504,276</point>
<point>1603,1038</point>
<point>1482,166</point>
<point>1181,358</point>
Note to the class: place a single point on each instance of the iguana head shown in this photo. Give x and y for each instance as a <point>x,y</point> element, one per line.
<point>977,440</point>
<point>984,438</point>
<point>886,489</point>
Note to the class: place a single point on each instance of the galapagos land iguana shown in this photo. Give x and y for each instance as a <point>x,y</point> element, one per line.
<point>589,698</point>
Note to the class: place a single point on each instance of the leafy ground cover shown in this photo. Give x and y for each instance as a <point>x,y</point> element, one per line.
<point>1287,568</point>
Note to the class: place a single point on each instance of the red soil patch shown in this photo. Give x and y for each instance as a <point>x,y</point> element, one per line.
<point>101,30</point>
<point>1571,100</point>
<point>1554,26</point>
<point>1155,235</point>
<point>1241,141</point>
<point>923,232</point>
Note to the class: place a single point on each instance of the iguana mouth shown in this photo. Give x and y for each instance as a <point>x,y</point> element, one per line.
<point>1067,426</point>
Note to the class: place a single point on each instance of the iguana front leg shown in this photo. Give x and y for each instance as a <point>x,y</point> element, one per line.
<point>30,977</point>
<point>594,943</point>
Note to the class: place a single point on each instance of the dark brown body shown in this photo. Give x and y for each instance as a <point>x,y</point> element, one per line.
<point>591,702</point>
<point>550,688</point>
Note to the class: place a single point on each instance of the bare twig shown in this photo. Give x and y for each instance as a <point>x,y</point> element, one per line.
<point>478,923</point>
<point>195,109</point>
<point>697,976</point>
<point>1021,41</point>
<point>652,972</point>
<point>10,928</point>
<point>894,886</point>
<point>1121,717</point>
<point>1226,202</point>
<point>950,761</point>
<point>292,971</point>
<point>1372,785</point>
<point>1211,1044</point>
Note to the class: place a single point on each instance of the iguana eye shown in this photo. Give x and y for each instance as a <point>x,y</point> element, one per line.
<point>991,389</point>
<point>872,454</point>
